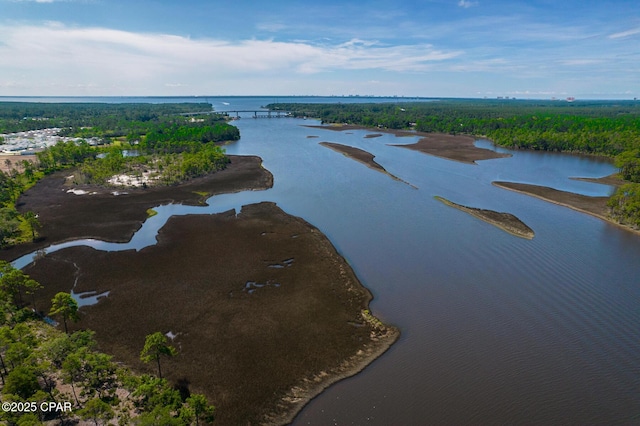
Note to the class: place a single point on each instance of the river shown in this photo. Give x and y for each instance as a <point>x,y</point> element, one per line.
<point>495,328</point>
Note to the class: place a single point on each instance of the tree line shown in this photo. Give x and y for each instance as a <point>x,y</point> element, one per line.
<point>610,128</point>
<point>171,143</point>
<point>76,118</point>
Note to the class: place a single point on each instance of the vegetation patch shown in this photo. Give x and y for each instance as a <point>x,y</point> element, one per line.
<point>258,357</point>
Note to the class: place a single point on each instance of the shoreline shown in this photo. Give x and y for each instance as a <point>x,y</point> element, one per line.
<point>347,369</point>
<point>459,148</point>
<point>593,206</point>
<point>242,323</point>
<point>505,221</point>
<point>101,214</point>
<point>363,157</point>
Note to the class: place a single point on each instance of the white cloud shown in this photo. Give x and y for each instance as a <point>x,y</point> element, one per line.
<point>67,56</point>
<point>625,34</point>
<point>467,3</point>
<point>57,59</point>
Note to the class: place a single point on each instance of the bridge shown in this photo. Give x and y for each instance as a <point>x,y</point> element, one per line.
<point>258,113</point>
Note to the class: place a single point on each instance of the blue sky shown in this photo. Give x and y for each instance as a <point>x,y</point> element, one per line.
<point>452,48</point>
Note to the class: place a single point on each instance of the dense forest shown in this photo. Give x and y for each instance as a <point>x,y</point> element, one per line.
<point>114,119</point>
<point>610,128</point>
<point>131,144</point>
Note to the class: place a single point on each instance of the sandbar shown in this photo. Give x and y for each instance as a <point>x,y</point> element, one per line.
<point>452,147</point>
<point>505,221</point>
<point>363,157</point>
<point>266,314</point>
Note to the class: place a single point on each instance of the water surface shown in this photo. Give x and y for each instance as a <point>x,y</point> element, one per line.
<point>495,328</point>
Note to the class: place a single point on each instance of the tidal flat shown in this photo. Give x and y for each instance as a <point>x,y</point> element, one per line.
<point>264,312</point>
<point>452,147</point>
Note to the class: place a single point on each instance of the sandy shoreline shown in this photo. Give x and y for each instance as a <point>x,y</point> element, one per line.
<point>267,314</point>
<point>505,221</point>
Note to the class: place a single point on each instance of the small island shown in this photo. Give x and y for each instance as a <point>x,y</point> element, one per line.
<point>363,157</point>
<point>505,221</point>
<point>452,147</point>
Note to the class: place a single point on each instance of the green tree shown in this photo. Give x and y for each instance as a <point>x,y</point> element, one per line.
<point>30,287</point>
<point>156,346</point>
<point>64,305</point>
<point>625,205</point>
<point>29,419</point>
<point>100,373</point>
<point>199,406</point>
<point>98,411</point>
<point>72,372</point>
<point>32,221</point>
<point>22,381</point>
<point>629,164</point>
<point>9,225</point>
<point>154,392</point>
<point>13,282</point>
<point>158,416</point>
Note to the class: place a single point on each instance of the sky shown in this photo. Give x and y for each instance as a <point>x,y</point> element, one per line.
<point>537,49</point>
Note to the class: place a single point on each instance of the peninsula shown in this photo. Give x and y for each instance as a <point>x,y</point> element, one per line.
<point>265,313</point>
<point>594,206</point>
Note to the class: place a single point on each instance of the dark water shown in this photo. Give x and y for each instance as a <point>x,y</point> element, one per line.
<point>495,329</point>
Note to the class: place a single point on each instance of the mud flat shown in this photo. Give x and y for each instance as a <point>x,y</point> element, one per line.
<point>452,147</point>
<point>69,212</point>
<point>505,221</point>
<point>363,157</point>
<point>264,312</point>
